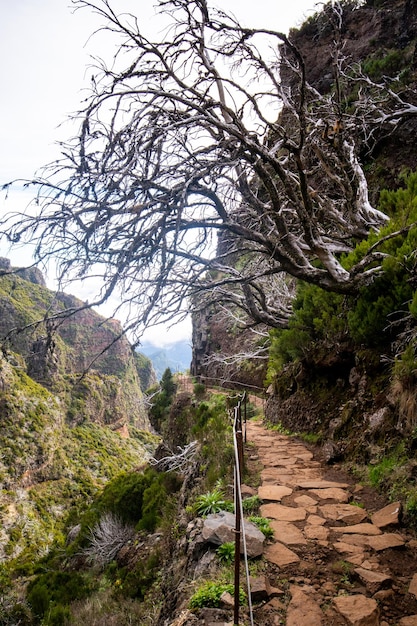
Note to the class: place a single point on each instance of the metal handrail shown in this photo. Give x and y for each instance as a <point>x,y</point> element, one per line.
<point>239,520</point>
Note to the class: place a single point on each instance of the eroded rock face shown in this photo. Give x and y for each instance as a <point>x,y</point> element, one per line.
<point>219,528</point>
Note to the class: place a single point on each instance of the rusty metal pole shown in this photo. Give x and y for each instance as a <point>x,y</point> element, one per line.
<point>237,554</point>
<point>245,412</point>
<point>238,520</point>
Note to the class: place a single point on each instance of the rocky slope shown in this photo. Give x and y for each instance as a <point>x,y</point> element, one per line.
<point>69,422</point>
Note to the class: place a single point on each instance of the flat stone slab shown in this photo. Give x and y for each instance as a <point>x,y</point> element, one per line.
<point>357,559</point>
<point>356,540</point>
<point>358,610</point>
<point>385,541</point>
<point>331,493</point>
<point>316,520</point>
<point>283,513</point>
<point>373,581</point>
<point>360,529</point>
<point>305,501</point>
<point>304,455</point>
<point>280,555</point>
<point>275,475</point>
<point>287,533</point>
<point>348,548</point>
<point>320,533</point>
<point>274,492</point>
<point>347,513</point>
<point>321,484</point>
<point>303,609</point>
<point>388,516</point>
<point>410,620</point>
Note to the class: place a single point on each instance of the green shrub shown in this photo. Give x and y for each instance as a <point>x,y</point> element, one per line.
<point>251,504</point>
<point>366,319</point>
<point>56,588</point>
<point>209,594</point>
<point>162,401</point>
<point>57,616</point>
<point>199,390</point>
<point>212,428</point>
<point>390,64</point>
<point>136,582</point>
<point>226,552</point>
<point>263,524</point>
<point>211,502</point>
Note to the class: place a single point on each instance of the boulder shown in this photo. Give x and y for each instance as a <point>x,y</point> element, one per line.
<point>259,588</point>
<point>220,527</point>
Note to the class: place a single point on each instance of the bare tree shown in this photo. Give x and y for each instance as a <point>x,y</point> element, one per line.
<point>213,129</point>
<point>107,538</point>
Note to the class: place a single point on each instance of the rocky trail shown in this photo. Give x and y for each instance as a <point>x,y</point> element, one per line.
<point>339,556</point>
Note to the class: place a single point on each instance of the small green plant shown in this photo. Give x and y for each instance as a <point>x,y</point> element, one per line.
<point>226,553</point>
<point>313,438</point>
<point>210,593</point>
<point>345,569</point>
<point>279,428</point>
<point>211,502</point>
<point>251,504</point>
<point>263,524</point>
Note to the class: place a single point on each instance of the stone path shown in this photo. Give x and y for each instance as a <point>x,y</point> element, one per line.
<point>332,562</point>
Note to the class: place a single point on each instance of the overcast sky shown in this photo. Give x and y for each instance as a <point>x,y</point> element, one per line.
<point>45,51</point>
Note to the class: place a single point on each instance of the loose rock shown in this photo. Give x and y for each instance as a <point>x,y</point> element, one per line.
<point>358,610</point>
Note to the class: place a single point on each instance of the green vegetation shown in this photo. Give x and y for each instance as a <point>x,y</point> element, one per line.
<point>52,591</point>
<point>251,504</point>
<point>321,319</point>
<point>211,502</point>
<point>161,400</point>
<point>210,592</point>
<point>264,525</point>
<point>226,553</point>
<point>388,63</point>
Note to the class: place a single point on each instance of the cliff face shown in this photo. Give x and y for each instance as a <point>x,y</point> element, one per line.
<point>224,354</point>
<point>58,351</point>
<point>381,36</point>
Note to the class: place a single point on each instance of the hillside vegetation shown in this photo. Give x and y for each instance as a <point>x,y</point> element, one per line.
<point>67,426</point>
